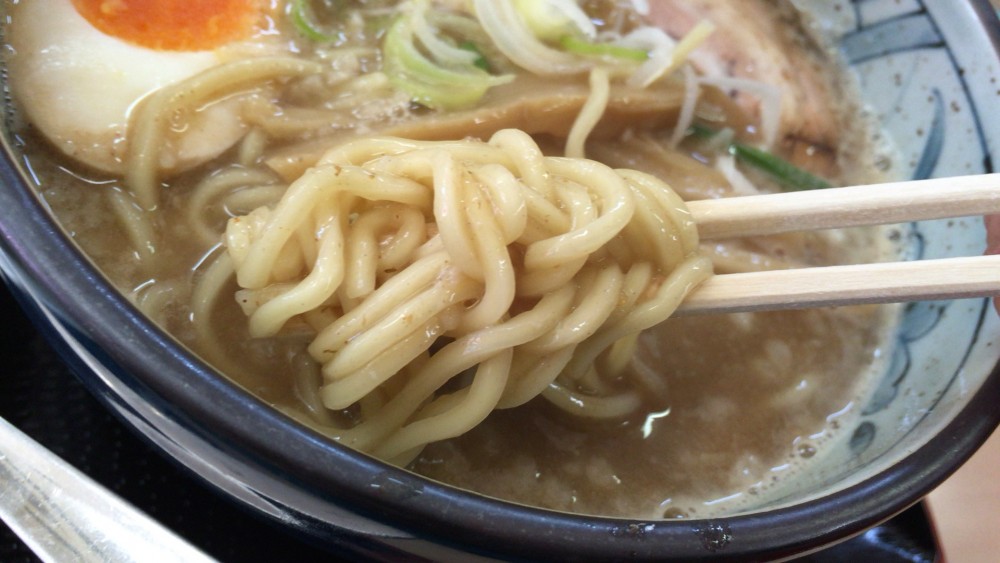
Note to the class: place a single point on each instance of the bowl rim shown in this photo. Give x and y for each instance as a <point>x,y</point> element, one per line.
<point>53,277</point>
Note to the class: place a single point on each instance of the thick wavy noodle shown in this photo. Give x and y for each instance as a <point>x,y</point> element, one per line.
<point>444,280</point>
<point>153,118</point>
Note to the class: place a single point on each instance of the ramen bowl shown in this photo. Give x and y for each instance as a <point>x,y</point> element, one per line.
<point>928,71</point>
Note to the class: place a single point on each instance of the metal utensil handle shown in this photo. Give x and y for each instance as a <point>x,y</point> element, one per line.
<point>63,515</point>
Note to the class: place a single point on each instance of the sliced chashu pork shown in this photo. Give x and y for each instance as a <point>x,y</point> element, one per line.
<point>756,40</point>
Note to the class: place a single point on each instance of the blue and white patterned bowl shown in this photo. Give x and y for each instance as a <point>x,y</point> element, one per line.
<point>928,68</point>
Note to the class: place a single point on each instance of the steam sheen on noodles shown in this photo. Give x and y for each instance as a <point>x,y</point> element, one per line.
<point>444,280</point>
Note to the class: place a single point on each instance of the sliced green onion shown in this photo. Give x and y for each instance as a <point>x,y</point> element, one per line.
<point>784,172</point>
<point>550,20</point>
<point>779,169</point>
<point>579,46</point>
<point>428,83</point>
<point>701,132</point>
<point>480,62</point>
<point>304,20</point>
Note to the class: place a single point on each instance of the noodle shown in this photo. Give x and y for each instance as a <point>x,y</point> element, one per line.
<point>415,262</point>
<point>593,110</point>
<point>256,188</point>
<point>151,122</point>
<point>138,225</point>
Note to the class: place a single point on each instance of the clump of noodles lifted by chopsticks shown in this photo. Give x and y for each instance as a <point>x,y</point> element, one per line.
<point>444,280</point>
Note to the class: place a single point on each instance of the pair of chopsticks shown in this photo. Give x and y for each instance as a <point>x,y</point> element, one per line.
<point>855,206</point>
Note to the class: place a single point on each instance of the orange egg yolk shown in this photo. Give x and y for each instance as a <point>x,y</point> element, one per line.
<point>174,25</point>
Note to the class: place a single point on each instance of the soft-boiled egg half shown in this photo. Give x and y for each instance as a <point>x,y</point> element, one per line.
<point>80,67</point>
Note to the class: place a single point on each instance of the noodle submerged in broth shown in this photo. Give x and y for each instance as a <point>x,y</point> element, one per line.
<point>414,262</point>
<point>451,234</point>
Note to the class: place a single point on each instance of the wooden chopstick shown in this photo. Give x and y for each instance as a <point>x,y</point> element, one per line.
<point>854,206</point>
<point>948,278</point>
<point>892,282</point>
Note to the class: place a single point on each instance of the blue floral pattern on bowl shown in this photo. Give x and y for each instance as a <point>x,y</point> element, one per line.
<point>922,74</point>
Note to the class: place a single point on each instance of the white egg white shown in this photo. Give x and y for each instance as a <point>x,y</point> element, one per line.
<point>78,86</point>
